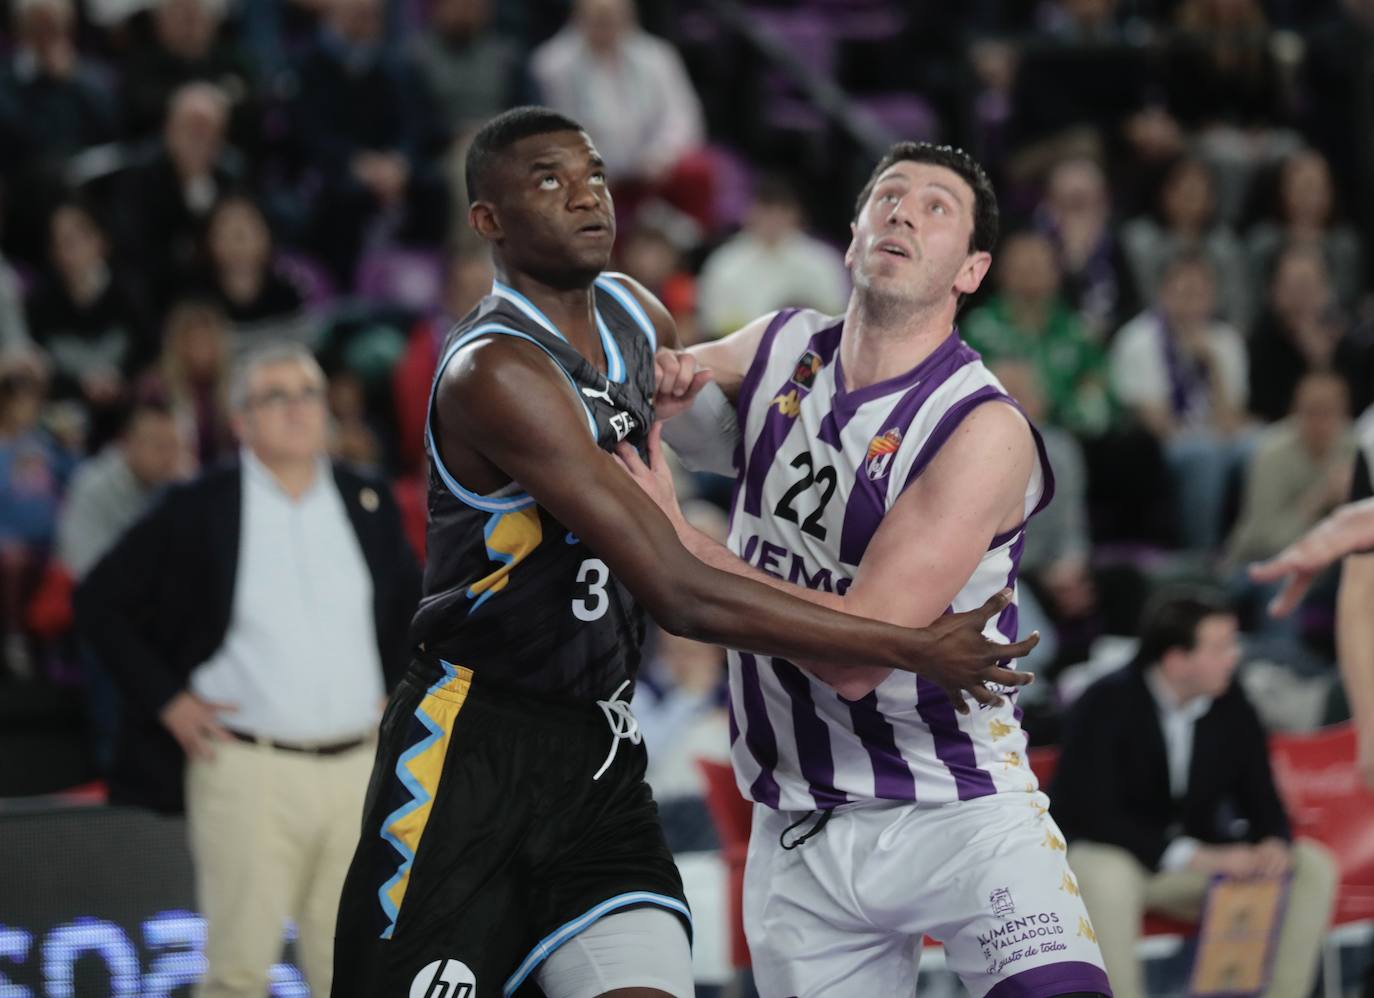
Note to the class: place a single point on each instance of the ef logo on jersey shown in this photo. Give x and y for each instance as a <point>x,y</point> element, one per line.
<point>444,979</point>
<point>880,452</point>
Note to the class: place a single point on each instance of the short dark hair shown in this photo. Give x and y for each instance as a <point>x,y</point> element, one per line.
<point>1171,620</point>
<point>499,134</point>
<point>985,214</point>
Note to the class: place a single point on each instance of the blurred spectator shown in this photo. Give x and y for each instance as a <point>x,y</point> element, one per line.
<point>1306,217</point>
<point>192,377</point>
<point>772,263</point>
<point>1302,330</point>
<point>1301,470</point>
<point>241,277</point>
<point>473,72</point>
<point>1338,105</point>
<point>1076,216</point>
<point>168,199</point>
<point>680,705</point>
<point>185,46</point>
<point>630,91</point>
<point>1026,319</point>
<point>649,255</point>
<point>1182,374</point>
<point>52,106</point>
<point>365,128</point>
<point>223,613</point>
<point>467,280</point>
<point>14,328</point>
<point>1083,84</point>
<point>110,489</point>
<point>108,493</point>
<point>33,472</point>
<point>85,317</point>
<point>352,439</point>
<point>1164,783</point>
<point>1220,68</point>
<point>1185,219</point>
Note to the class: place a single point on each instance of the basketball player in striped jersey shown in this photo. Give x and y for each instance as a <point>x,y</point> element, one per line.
<point>881,470</point>
<point>510,844</point>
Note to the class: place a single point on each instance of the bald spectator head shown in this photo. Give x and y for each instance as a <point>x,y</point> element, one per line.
<point>1321,411</point>
<point>604,23</point>
<point>197,117</point>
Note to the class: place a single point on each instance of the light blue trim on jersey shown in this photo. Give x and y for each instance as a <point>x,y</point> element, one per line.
<point>531,310</point>
<point>419,796</point>
<point>630,304</point>
<point>545,947</point>
<point>615,363</point>
<point>500,557</point>
<point>490,504</point>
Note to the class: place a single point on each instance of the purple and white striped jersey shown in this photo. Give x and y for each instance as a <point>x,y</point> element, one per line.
<point>818,469</point>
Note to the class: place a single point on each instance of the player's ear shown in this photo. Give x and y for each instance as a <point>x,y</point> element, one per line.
<point>482,218</point>
<point>975,269</point>
<point>849,252</point>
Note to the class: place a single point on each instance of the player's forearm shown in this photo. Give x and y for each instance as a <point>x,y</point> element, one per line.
<point>1355,639</point>
<point>848,678</point>
<point>737,609</point>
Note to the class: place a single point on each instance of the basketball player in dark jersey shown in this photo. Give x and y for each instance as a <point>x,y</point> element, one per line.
<point>510,842</point>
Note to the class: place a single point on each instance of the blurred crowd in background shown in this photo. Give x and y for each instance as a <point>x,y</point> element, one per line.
<point>1180,298</point>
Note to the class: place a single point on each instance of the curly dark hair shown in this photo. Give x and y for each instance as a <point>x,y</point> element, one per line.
<point>985,214</point>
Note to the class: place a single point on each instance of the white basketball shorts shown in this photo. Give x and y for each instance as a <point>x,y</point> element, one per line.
<point>844,913</point>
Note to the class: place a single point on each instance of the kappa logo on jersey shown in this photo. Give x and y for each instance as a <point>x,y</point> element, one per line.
<point>880,451</point>
<point>444,979</point>
<point>807,368</point>
<point>788,403</point>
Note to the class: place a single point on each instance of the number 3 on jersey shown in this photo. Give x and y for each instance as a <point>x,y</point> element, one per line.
<point>594,574</point>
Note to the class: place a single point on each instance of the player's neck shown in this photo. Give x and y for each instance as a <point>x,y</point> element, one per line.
<point>877,344</point>
<point>571,310</point>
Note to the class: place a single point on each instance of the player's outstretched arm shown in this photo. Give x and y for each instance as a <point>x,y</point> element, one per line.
<point>507,412</point>
<point>927,546</point>
<point>1348,529</point>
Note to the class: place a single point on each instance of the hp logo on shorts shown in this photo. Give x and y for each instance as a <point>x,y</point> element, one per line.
<point>444,979</point>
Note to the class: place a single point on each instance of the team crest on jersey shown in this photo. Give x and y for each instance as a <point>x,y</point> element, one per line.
<point>880,452</point>
<point>807,368</point>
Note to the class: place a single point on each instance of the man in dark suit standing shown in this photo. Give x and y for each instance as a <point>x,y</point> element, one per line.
<point>1165,783</point>
<point>254,618</point>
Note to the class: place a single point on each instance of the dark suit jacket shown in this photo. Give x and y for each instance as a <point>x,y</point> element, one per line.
<point>1112,784</point>
<point>158,605</point>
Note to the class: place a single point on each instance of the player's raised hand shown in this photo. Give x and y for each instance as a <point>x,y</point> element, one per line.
<point>678,376</point>
<point>1349,529</point>
<point>962,660</point>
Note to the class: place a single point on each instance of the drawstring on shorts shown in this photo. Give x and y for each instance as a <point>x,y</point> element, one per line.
<point>815,829</point>
<point>622,722</point>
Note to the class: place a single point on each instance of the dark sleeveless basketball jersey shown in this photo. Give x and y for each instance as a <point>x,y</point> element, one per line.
<point>509,592</point>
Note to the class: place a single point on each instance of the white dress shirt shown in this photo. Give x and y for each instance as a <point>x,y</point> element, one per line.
<point>1176,723</point>
<point>300,659</point>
